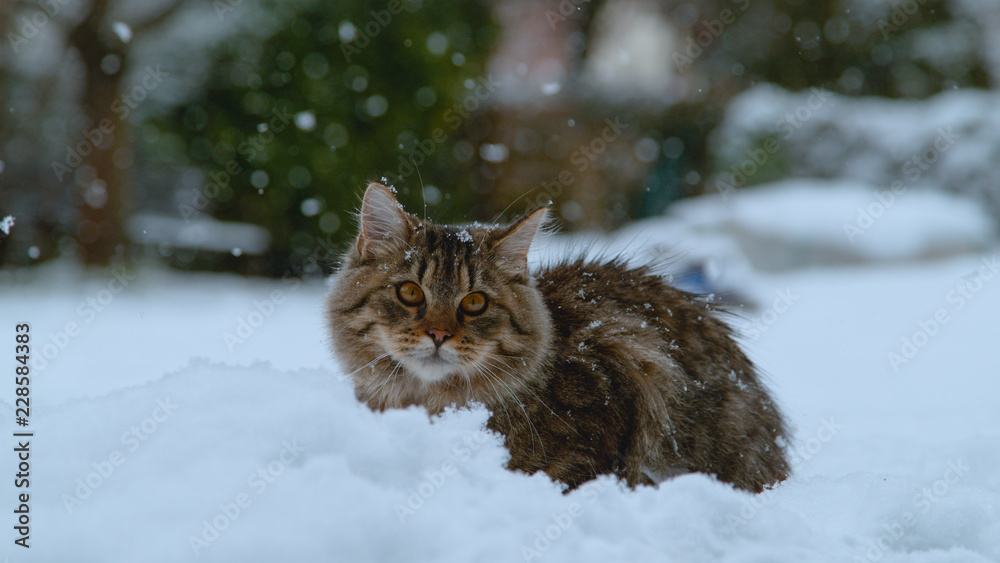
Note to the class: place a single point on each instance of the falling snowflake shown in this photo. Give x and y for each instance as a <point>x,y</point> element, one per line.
<point>550,88</point>
<point>305,120</point>
<point>123,31</point>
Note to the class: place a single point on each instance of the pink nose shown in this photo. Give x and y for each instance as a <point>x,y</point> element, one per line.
<point>438,335</point>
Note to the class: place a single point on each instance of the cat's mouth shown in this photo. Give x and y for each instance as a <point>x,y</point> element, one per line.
<point>432,366</point>
<point>435,359</point>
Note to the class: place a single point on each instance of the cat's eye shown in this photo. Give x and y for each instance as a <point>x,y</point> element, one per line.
<point>473,303</point>
<point>410,293</point>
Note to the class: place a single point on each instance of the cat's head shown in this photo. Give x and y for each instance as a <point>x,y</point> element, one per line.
<point>433,314</point>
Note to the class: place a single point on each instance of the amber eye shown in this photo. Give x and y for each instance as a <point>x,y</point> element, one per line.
<point>410,293</point>
<point>474,303</point>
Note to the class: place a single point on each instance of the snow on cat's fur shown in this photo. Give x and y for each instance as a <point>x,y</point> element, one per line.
<point>588,367</point>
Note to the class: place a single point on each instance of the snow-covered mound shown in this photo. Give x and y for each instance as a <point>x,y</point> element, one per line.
<point>949,141</point>
<point>802,222</point>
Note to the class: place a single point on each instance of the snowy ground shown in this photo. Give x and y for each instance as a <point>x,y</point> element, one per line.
<point>159,438</point>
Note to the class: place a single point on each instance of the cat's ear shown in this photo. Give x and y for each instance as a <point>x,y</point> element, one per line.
<point>513,245</point>
<point>383,221</point>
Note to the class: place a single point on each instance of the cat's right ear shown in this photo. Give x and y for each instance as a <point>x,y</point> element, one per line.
<point>513,246</point>
<point>383,221</point>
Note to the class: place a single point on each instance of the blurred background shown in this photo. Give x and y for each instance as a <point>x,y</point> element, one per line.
<point>237,135</point>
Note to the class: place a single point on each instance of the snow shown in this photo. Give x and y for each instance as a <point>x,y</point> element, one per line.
<point>847,220</point>
<point>311,207</point>
<point>122,30</point>
<point>6,224</point>
<point>346,32</point>
<point>497,152</point>
<point>551,88</point>
<point>199,232</point>
<point>203,413</point>
<point>305,120</point>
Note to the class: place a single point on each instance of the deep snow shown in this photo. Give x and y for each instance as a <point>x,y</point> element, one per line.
<point>894,461</point>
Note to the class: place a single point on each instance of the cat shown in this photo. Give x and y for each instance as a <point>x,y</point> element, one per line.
<point>587,367</point>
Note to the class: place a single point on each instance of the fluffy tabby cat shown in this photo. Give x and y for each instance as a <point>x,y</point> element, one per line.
<point>587,367</point>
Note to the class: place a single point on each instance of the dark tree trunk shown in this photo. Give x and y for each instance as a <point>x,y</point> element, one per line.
<point>100,232</point>
<point>104,202</point>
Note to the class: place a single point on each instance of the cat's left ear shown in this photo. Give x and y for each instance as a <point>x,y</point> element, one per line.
<point>383,221</point>
<point>513,246</point>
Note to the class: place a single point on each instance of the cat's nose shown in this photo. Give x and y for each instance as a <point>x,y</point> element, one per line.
<point>438,335</point>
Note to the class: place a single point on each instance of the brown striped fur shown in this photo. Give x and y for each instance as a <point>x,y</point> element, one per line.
<point>588,367</point>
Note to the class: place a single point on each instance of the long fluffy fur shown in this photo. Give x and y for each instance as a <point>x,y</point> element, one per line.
<point>589,367</point>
